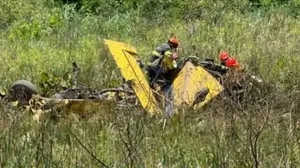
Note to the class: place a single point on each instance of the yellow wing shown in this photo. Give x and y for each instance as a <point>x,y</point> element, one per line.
<point>124,57</point>
<point>192,79</point>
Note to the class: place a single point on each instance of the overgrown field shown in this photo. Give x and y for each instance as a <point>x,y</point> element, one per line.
<point>40,39</point>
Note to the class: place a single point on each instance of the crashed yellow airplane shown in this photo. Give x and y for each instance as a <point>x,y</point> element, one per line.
<point>186,89</point>
<point>190,80</point>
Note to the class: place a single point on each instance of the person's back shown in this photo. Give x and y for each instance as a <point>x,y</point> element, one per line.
<point>160,51</point>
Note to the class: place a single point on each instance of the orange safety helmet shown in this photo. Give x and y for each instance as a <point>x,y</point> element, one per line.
<point>232,62</point>
<point>174,41</point>
<point>223,56</point>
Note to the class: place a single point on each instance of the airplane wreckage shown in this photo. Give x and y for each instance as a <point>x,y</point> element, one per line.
<point>193,86</point>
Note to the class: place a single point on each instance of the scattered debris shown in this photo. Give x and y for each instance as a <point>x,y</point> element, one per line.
<point>195,84</point>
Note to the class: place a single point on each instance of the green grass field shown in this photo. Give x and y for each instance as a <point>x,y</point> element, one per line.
<point>39,36</point>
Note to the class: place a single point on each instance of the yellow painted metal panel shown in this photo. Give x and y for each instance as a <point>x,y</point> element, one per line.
<point>123,55</point>
<point>190,80</point>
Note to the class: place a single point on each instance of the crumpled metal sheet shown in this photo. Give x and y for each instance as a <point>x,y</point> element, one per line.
<point>124,56</point>
<point>190,81</point>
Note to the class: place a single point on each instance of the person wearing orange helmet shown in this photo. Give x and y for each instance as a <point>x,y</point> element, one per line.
<point>166,49</point>
<point>228,61</point>
<point>164,59</point>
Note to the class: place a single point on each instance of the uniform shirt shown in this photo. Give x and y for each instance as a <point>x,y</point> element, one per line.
<point>163,48</point>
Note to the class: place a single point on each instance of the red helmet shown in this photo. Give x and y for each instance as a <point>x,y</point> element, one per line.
<point>223,56</point>
<point>231,62</point>
<point>174,41</point>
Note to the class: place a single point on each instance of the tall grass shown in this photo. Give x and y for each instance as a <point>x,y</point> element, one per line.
<point>261,132</point>
<point>222,136</point>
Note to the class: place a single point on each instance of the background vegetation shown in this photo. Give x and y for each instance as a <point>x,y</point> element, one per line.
<point>39,37</point>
